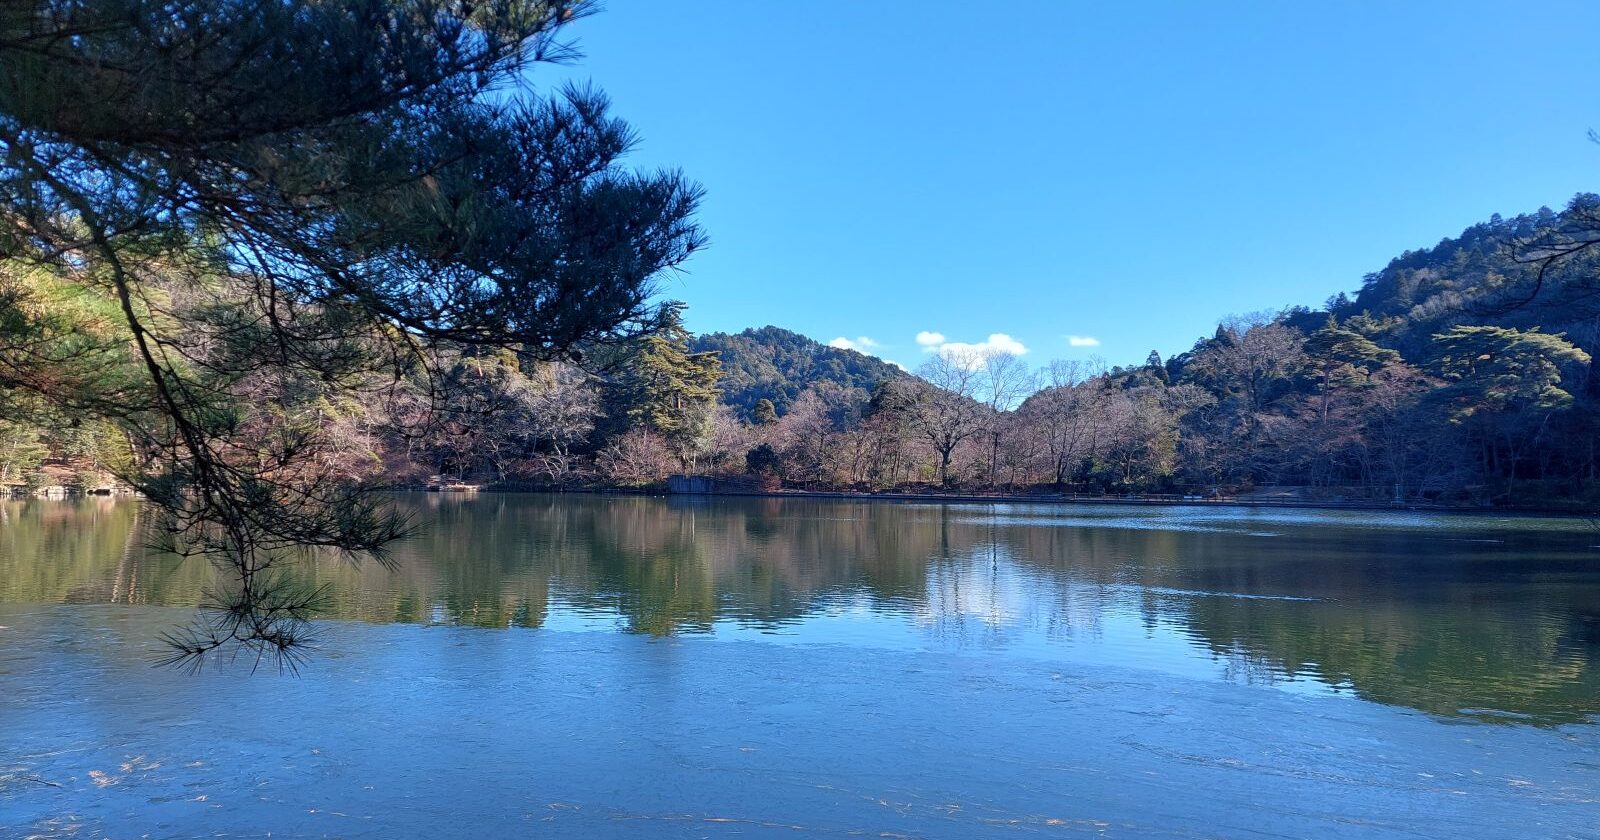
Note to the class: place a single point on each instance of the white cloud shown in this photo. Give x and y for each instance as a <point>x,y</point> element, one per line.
<point>1082,341</point>
<point>933,342</point>
<point>860,343</point>
<point>995,343</point>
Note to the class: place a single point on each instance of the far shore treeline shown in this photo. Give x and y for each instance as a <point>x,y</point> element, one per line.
<point>1436,382</point>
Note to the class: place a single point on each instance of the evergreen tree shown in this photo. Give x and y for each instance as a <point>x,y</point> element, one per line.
<point>1155,368</point>
<point>22,450</point>
<point>765,413</point>
<point>777,365</point>
<point>1505,385</point>
<point>763,460</point>
<point>670,389</point>
<point>1343,358</point>
<point>1497,369</point>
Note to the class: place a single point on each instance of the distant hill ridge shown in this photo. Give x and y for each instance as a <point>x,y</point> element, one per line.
<point>777,364</point>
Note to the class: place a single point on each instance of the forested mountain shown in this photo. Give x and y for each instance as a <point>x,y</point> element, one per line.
<point>1491,274</point>
<point>777,364</point>
<point>1463,371</point>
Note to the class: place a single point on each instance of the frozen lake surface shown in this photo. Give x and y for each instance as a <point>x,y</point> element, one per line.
<point>633,667</point>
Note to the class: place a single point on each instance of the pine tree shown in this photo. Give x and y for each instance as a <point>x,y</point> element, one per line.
<point>1503,384</point>
<point>1343,358</point>
<point>765,413</point>
<point>1157,369</point>
<point>338,190</point>
<point>1499,369</point>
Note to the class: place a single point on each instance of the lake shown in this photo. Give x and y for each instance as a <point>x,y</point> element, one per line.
<point>620,666</point>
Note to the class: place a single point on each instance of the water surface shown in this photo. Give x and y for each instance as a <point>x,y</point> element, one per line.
<point>623,666</point>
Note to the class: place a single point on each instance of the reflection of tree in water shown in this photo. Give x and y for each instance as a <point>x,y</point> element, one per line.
<point>670,566</point>
<point>1533,663</point>
<point>88,551</point>
<point>1398,617</point>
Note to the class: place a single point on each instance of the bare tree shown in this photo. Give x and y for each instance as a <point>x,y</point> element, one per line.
<point>944,406</point>
<point>562,404</point>
<point>731,440</point>
<point>1069,414</point>
<point>638,457</point>
<point>1250,365</point>
<point>1003,381</point>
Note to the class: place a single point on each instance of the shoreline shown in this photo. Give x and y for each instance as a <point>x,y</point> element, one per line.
<point>947,498</point>
<point>1058,500</point>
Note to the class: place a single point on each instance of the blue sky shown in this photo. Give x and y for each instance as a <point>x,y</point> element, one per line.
<point>1125,173</point>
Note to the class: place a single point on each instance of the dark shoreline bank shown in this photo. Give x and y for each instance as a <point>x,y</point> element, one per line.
<point>958,498</point>
<point>979,498</point>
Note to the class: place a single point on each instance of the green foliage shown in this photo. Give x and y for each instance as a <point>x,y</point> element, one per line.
<point>765,413</point>
<point>62,343</point>
<point>1497,369</point>
<point>1155,368</point>
<point>670,389</point>
<point>1343,357</point>
<point>22,452</point>
<point>1492,272</point>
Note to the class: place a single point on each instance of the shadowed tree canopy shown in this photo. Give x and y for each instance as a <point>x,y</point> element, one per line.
<point>287,201</point>
<point>765,414</point>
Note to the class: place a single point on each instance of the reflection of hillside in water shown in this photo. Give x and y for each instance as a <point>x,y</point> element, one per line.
<point>1450,620</point>
<point>1415,613</point>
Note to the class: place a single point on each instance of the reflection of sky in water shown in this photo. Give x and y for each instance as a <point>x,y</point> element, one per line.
<point>989,602</point>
